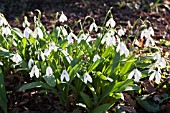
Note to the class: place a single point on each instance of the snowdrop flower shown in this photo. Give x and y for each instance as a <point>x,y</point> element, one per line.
<point>42,56</point>
<point>38,32</point>
<point>110,23</point>
<point>62,18</point>
<point>87,77</point>
<point>85,37</point>
<point>49,71</point>
<point>16,58</point>
<point>123,49</point>
<point>136,73</point>
<point>160,60</point>
<point>121,32</point>
<point>25,23</point>
<point>2,20</point>
<point>47,52</point>
<point>64,75</point>
<point>93,26</point>
<point>70,38</point>
<point>96,57</point>
<point>34,71</point>
<point>151,31</point>
<point>109,38</point>
<point>6,31</point>
<point>53,47</point>
<point>64,31</point>
<point>27,32</point>
<point>155,74</point>
<point>147,34</point>
<point>30,63</point>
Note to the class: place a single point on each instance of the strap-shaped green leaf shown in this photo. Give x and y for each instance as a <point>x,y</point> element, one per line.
<point>101,108</point>
<point>3,99</point>
<point>86,99</point>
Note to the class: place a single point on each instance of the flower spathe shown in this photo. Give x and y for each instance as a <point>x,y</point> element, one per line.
<point>64,75</point>
<point>16,58</point>
<point>35,71</point>
<point>62,18</point>
<point>87,78</point>
<point>136,73</point>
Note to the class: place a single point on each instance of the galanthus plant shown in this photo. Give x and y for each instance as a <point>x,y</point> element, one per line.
<point>95,69</point>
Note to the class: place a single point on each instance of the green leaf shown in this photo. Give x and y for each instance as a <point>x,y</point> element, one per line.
<point>127,65</point>
<point>147,104</point>
<point>50,80</point>
<point>101,108</point>
<point>94,65</point>
<point>18,32</point>
<point>107,52</point>
<point>37,85</point>
<point>24,44</point>
<point>86,99</point>
<point>3,99</point>
<point>121,86</point>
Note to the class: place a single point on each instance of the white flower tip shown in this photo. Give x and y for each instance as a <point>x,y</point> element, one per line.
<point>62,18</point>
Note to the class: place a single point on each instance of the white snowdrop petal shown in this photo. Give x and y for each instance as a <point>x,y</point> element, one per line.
<point>158,77</point>
<point>131,75</point>
<point>62,18</point>
<point>152,76</point>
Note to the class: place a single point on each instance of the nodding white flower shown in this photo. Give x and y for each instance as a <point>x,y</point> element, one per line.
<point>160,60</point>
<point>62,18</point>
<point>123,49</point>
<point>25,23</point>
<point>136,73</point>
<point>110,23</point>
<point>87,77</point>
<point>109,38</point>
<point>96,57</point>
<point>151,31</point>
<point>6,31</point>
<point>93,26</point>
<point>70,38</point>
<point>30,63</point>
<point>136,42</point>
<point>3,20</point>
<point>35,71</point>
<point>27,32</point>
<point>157,76</point>
<point>53,47</point>
<point>85,37</point>
<point>47,52</point>
<point>16,58</point>
<point>63,31</point>
<point>49,71</point>
<point>38,32</point>
<point>147,34</point>
<point>64,75</point>
<point>42,56</point>
<point>121,32</point>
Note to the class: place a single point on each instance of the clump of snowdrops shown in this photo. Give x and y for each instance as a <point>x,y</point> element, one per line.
<point>96,70</point>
